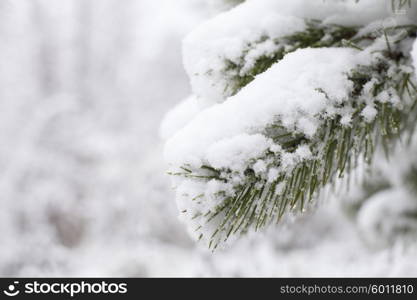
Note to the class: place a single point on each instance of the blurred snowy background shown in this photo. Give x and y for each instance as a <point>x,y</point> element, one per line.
<point>84,86</point>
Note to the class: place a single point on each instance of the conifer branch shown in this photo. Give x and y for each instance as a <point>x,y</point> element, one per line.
<point>385,86</point>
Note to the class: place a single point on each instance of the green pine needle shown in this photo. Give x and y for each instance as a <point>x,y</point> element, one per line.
<point>337,148</point>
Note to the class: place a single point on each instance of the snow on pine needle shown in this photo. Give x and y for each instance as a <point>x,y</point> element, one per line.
<point>325,98</point>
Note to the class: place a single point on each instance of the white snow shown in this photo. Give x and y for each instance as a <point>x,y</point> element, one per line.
<point>369,113</point>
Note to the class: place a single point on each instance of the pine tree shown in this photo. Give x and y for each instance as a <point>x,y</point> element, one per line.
<point>290,100</point>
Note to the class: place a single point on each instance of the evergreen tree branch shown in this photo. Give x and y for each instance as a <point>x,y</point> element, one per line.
<point>336,148</point>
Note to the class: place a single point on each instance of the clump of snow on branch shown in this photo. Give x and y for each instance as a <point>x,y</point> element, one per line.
<point>251,30</point>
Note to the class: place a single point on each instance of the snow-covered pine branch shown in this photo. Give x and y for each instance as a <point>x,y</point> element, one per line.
<point>289,98</point>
